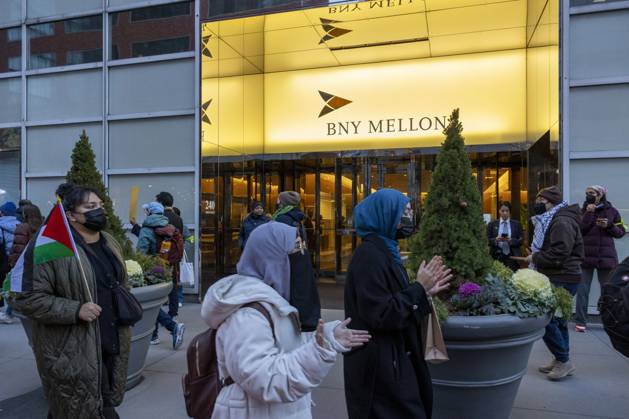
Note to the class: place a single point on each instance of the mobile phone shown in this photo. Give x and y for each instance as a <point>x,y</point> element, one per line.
<point>504,235</point>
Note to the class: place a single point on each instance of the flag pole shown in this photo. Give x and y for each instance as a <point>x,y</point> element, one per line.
<point>76,252</point>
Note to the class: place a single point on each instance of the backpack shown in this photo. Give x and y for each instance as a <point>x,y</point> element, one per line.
<point>202,384</point>
<point>614,307</point>
<point>169,244</point>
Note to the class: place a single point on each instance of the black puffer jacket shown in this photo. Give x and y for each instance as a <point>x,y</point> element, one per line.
<point>562,253</point>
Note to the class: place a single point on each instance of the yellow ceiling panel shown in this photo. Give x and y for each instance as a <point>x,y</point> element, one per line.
<point>375,31</point>
<point>299,60</point>
<point>291,40</point>
<point>383,53</point>
<point>477,18</point>
<point>365,10</point>
<point>478,42</point>
<point>246,45</point>
<point>286,21</point>
<point>432,5</point>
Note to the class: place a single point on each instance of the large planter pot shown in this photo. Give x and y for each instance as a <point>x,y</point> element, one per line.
<point>488,358</point>
<point>151,298</point>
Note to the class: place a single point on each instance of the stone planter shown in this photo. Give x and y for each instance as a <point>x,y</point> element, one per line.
<point>151,297</point>
<point>488,358</point>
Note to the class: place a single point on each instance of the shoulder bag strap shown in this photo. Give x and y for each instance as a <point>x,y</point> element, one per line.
<point>259,307</point>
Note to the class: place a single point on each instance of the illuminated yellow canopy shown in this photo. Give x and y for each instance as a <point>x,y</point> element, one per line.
<point>379,74</point>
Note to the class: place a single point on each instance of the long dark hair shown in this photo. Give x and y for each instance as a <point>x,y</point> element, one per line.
<point>76,196</point>
<point>32,216</point>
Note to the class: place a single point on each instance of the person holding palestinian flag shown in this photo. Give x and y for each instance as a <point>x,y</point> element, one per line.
<point>65,282</point>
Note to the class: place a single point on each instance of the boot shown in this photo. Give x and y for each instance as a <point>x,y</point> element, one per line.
<point>548,368</point>
<point>561,371</point>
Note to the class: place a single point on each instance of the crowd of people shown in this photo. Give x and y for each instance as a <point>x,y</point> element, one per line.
<point>271,359</point>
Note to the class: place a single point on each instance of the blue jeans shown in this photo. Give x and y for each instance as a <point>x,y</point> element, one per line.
<point>165,320</point>
<point>180,294</point>
<point>557,337</point>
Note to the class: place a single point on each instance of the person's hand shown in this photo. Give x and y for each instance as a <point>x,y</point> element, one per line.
<point>319,337</point>
<point>350,338</point>
<point>434,276</point>
<point>590,208</point>
<point>529,259</point>
<point>603,222</point>
<point>499,239</point>
<point>132,221</point>
<point>89,312</point>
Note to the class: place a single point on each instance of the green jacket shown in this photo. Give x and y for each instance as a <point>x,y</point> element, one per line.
<point>68,350</point>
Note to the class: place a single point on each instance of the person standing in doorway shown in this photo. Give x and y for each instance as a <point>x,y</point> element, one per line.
<point>148,244</point>
<point>505,237</point>
<point>558,238</point>
<point>254,219</point>
<point>601,224</point>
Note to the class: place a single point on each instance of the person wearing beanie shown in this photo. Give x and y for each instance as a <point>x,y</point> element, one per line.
<point>557,253</point>
<point>155,222</point>
<point>254,219</point>
<point>601,224</point>
<point>288,212</point>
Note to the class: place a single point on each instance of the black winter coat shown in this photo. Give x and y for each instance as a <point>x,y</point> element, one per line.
<point>249,224</point>
<point>295,218</point>
<point>388,377</point>
<point>562,253</point>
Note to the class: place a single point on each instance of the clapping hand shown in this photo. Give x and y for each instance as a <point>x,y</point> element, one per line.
<point>434,276</point>
<point>349,338</point>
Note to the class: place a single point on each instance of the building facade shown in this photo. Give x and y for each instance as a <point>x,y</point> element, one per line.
<point>226,102</point>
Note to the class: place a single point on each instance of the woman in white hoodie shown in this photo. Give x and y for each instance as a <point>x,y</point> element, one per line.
<point>274,369</point>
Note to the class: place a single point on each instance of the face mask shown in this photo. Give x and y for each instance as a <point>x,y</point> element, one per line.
<point>95,219</point>
<point>590,199</point>
<point>539,208</point>
<point>406,229</point>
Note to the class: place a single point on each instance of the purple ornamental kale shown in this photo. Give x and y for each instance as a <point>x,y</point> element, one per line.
<point>468,289</point>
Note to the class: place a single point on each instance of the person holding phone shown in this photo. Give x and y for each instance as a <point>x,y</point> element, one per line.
<point>600,225</point>
<point>505,237</point>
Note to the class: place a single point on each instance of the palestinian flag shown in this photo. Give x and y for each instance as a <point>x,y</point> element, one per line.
<point>54,241</point>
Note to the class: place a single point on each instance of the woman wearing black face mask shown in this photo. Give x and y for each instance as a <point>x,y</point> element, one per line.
<point>388,377</point>
<point>81,351</point>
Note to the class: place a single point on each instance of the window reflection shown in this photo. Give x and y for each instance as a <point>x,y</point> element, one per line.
<point>66,42</point>
<point>10,49</point>
<point>163,29</point>
<point>10,140</point>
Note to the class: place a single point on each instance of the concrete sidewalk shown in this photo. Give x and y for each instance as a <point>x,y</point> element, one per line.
<point>600,389</point>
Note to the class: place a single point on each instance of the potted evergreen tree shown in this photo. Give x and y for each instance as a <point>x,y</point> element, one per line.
<point>490,317</point>
<point>149,276</point>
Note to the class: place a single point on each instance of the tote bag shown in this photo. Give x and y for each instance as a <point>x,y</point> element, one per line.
<point>435,350</point>
<point>186,271</point>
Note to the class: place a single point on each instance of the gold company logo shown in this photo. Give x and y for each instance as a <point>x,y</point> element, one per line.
<point>331,31</point>
<point>332,103</point>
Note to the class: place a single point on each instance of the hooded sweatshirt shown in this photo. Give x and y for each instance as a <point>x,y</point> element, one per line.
<point>147,241</point>
<point>273,377</point>
<point>8,224</point>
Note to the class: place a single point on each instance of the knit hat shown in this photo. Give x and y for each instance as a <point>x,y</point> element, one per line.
<point>552,194</point>
<point>290,198</point>
<point>600,189</point>
<point>154,208</point>
<point>8,209</point>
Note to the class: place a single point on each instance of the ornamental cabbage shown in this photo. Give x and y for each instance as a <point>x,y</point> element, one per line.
<point>533,284</point>
<point>133,268</point>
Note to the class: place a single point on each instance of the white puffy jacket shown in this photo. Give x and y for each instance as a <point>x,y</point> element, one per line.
<point>273,377</point>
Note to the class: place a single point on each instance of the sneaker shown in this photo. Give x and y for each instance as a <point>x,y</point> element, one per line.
<point>548,368</point>
<point>155,341</point>
<point>580,328</point>
<point>178,335</point>
<point>5,319</point>
<point>180,305</point>
<point>561,371</point>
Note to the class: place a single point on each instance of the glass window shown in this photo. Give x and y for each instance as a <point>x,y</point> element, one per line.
<point>164,142</point>
<point>74,94</point>
<point>163,29</point>
<point>180,185</point>
<point>10,10</point>
<point>42,192</point>
<point>66,42</point>
<point>11,102</point>
<point>589,2</point>
<point>10,172</point>
<point>160,12</point>
<point>134,89</point>
<point>10,49</point>
<point>46,8</point>
<point>48,149</point>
